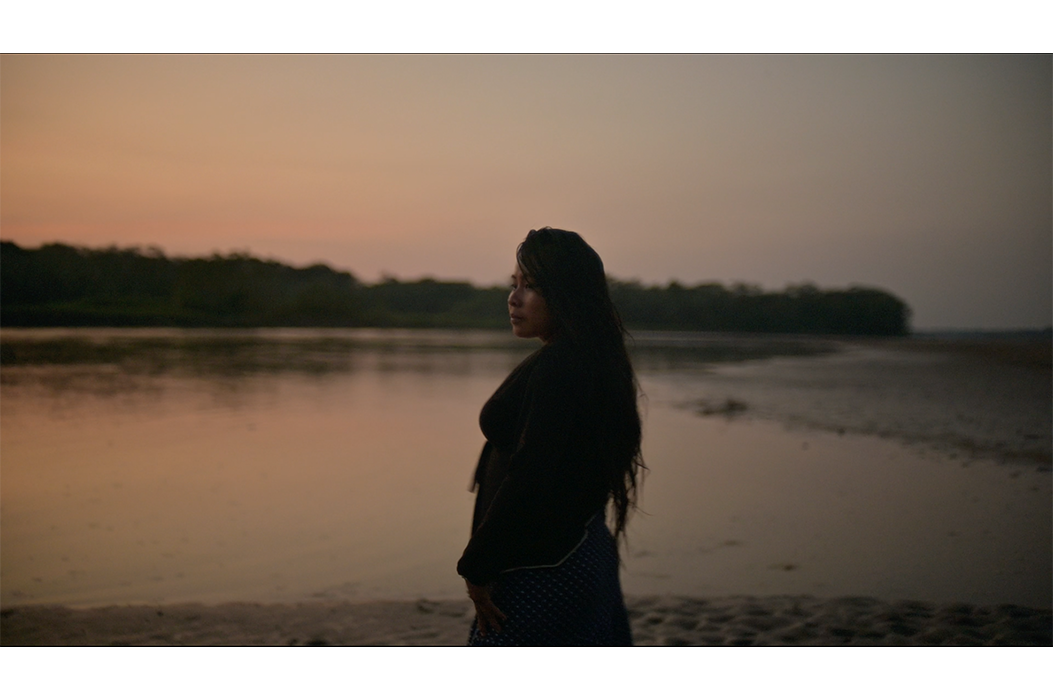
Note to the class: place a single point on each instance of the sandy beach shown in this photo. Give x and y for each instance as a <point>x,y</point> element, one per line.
<point>656,621</point>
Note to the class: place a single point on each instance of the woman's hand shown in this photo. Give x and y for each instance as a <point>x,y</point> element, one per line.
<point>486,613</point>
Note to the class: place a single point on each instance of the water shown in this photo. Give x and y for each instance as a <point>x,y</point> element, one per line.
<point>278,466</point>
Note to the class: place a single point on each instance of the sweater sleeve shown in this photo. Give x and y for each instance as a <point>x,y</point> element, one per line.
<point>528,517</point>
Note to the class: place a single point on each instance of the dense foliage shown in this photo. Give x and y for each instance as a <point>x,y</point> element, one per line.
<point>61,285</point>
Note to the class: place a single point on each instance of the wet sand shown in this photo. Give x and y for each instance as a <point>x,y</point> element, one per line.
<point>656,621</point>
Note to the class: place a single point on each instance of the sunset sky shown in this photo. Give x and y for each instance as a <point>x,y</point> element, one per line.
<point>928,176</point>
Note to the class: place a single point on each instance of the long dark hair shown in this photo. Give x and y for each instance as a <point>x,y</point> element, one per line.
<point>569,275</point>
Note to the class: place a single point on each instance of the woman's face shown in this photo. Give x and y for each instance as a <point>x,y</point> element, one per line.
<point>528,310</point>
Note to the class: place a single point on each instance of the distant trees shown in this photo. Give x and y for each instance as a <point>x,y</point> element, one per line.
<point>746,308</point>
<point>61,285</point>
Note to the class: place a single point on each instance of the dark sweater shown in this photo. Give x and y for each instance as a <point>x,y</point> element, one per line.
<point>540,477</point>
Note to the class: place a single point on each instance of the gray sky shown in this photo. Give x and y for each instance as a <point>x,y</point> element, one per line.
<point>928,176</point>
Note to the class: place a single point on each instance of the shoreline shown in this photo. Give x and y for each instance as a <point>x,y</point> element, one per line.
<point>656,621</point>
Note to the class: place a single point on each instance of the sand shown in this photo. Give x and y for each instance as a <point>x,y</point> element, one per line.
<point>656,621</point>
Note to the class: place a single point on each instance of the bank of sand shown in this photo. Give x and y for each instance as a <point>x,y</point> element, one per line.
<point>661,621</point>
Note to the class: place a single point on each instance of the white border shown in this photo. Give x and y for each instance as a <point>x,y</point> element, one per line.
<point>540,26</point>
<point>769,672</point>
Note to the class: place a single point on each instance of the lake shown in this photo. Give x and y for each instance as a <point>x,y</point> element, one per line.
<point>162,466</point>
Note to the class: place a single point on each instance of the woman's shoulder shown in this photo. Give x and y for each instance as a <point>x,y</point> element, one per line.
<point>559,353</point>
<point>562,363</point>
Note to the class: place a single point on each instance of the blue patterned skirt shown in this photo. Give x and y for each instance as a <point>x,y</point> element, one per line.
<point>577,603</point>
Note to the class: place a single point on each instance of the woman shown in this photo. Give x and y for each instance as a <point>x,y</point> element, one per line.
<point>563,440</point>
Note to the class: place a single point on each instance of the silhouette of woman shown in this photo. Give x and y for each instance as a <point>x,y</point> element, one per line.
<point>562,442</point>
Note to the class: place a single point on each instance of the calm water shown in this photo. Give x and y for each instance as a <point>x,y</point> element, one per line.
<point>168,466</point>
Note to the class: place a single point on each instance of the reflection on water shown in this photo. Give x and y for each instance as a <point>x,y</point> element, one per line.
<point>223,352</point>
<point>281,465</point>
<point>217,466</point>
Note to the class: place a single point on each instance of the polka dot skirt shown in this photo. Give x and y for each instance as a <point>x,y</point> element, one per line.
<point>578,603</point>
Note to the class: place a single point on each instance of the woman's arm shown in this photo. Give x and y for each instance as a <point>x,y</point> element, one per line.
<point>487,615</point>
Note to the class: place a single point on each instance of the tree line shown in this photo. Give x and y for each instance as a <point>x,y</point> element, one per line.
<point>62,285</point>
